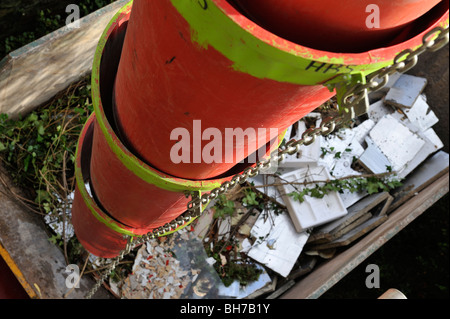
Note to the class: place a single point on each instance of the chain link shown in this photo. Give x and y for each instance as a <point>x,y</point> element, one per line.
<point>404,61</point>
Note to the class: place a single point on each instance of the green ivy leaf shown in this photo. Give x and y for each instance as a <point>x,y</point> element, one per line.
<point>26,162</point>
<point>42,196</point>
<point>297,196</point>
<point>33,117</point>
<point>372,188</point>
<point>41,130</point>
<point>315,192</point>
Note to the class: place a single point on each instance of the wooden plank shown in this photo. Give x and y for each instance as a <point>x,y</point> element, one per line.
<point>435,167</point>
<point>330,272</point>
<point>334,229</point>
<point>374,215</point>
<point>344,230</point>
<point>33,74</point>
<point>328,237</point>
<point>371,223</point>
<point>277,293</point>
<point>306,265</point>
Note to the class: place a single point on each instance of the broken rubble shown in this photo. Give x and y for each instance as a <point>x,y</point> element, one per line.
<point>312,211</point>
<point>405,91</point>
<point>260,181</point>
<point>357,214</point>
<point>373,160</point>
<point>420,114</point>
<point>253,289</point>
<point>306,154</point>
<point>396,142</point>
<point>173,268</point>
<point>278,241</point>
<point>286,243</point>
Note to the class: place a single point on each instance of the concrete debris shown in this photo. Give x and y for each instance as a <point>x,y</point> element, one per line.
<point>337,145</point>
<point>285,245</point>
<point>393,139</point>
<point>396,141</point>
<point>252,290</point>
<point>59,223</point>
<point>373,159</point>
<point>358,213</point>
<point>432,144</point>
<point>174,268</point>
<point>378,110</point>
<point>307,154</point>
<point>266,184</point>
<point>405,91</point>
<point>288,134</point>
<point>340,151</point>
<point>420,114</point>
<point>422,139</point>
<point>381,93</point>
<point>312,211</point>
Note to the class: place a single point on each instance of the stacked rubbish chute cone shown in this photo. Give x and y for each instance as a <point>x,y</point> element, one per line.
<point>172,76</point>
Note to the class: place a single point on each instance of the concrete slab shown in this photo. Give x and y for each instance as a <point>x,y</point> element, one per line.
<point>39,264</point>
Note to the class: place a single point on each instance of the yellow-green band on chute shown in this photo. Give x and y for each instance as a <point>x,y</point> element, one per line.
<point>104,218</point>
<point>266,57</point>
<point>128,159</point>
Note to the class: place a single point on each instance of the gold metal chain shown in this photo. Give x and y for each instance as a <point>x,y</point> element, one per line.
<point>351,99</point>
<point>403,62</point>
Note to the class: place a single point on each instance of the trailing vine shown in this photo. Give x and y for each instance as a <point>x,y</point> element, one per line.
<point>370,183</point>
<point>38,151</point>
